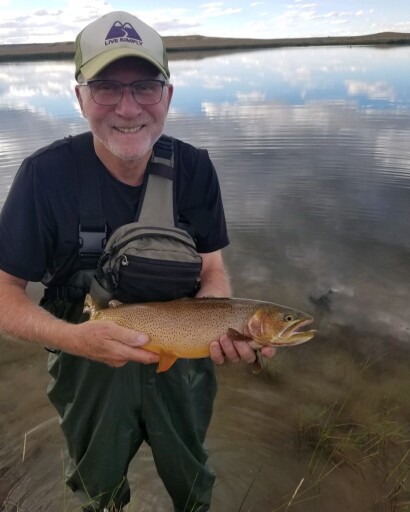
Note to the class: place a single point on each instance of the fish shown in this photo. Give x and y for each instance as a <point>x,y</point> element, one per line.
<point>185,328</point>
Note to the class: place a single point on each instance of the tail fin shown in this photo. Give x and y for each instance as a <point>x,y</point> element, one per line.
<point>90,306</point>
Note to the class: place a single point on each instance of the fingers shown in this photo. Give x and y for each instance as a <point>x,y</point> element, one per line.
<point>128,336</point>
<point>133,345</point>
<point>217,355</point>
<point>135,354</point>
<point>235,351</point>
<point>112,344</point>
<point>268,352</point>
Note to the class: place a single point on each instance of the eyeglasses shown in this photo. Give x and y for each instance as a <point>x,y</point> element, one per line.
<point>109,92</point>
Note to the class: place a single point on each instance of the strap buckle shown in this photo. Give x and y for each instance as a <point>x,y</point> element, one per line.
<point>92,242</point>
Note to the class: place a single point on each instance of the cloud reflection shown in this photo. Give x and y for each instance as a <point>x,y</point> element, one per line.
<point>376,90</point>
<point>46,88</point>
<point>296,76</point>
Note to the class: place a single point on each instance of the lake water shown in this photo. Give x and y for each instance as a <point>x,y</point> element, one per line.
<point>311,146</point>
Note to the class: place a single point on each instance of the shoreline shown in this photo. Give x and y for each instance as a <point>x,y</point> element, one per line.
<point>194,43</point>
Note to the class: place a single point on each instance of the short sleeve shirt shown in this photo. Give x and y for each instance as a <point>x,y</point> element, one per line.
<point>39,222</point>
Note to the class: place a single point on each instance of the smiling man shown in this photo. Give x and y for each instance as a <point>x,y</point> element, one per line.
<point>104,384</point>
<point>126,105</point>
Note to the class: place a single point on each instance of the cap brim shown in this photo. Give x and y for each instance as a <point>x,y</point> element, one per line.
<point>94,66</point>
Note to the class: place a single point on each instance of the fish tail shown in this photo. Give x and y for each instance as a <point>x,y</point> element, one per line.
<point>90,306</point>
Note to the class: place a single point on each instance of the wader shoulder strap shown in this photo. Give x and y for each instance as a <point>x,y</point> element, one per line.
<point>92,228</point>
<point>157,205</point>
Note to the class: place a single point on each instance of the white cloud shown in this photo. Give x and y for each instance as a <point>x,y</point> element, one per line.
<point>216,9</point>
<point>299,18</point>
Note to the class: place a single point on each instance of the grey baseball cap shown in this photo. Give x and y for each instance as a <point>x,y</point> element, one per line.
<point>116,35</point>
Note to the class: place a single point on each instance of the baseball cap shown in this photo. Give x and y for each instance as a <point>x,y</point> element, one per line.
<point>113,36</point>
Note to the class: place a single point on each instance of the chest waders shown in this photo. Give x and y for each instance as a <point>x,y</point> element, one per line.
<point>107,413</point>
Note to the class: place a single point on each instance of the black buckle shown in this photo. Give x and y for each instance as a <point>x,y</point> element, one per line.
<point>92,242</point>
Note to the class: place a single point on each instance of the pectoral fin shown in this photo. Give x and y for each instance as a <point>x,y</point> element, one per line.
<point>165,362</point>
<point>237,336</point>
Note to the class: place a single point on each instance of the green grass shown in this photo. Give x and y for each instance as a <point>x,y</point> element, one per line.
<point>353,423</point>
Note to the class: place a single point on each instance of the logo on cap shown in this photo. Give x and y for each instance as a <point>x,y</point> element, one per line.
<point>122,33</point>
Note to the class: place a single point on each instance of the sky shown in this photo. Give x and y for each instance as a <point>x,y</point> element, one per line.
<point>25,21</point>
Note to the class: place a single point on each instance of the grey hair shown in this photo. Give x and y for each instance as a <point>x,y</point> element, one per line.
<point>80,79</point>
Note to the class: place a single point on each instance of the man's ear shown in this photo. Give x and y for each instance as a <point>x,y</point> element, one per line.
<point>80,99</point>
<point>170,93</point>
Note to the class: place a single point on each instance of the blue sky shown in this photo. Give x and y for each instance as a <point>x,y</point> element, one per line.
<point>25,21</point>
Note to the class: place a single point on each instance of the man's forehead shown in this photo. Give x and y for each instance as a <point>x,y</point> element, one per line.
<point>130,64</point>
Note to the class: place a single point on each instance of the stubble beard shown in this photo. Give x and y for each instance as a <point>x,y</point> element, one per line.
<point>133,150</point>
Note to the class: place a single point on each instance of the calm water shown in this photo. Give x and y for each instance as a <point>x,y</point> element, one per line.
<point>312,151</point>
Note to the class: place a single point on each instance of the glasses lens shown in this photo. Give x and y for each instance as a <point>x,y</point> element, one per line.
<point>109,92</point>
<point>106,92</point>
<point>147,92</point>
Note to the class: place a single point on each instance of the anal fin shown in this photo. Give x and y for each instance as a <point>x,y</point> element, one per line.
<point>165,362</point>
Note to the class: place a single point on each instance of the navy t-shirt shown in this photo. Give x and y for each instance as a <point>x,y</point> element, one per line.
<point>39,222</point>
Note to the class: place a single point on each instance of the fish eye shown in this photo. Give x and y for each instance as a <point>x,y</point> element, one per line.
<point>288,318</point>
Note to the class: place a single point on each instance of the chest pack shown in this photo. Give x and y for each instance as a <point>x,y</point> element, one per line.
<point>151,259</point>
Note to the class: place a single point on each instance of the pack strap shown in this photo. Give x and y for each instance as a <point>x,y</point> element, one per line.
<point>157,205</point>
<point>92,231</point>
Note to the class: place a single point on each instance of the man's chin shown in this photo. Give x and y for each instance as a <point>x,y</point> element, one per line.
<point>130,151</point>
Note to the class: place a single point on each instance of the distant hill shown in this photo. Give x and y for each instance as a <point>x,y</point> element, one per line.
<point>196,43</point>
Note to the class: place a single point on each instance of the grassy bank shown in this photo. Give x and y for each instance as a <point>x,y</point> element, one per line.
<point>197,43</point>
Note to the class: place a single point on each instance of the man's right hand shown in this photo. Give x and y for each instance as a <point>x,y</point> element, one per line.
<point>99,340</point>
<point>111,344</point>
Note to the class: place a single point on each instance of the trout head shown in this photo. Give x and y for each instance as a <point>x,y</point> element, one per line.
<point>278,326</point>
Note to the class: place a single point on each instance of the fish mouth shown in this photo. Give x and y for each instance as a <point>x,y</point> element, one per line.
<point>293,335</point>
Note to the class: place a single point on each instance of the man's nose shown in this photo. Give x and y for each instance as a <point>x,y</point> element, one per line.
<point>127,101</point>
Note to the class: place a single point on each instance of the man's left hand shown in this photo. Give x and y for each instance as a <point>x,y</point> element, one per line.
<point>235,351</point>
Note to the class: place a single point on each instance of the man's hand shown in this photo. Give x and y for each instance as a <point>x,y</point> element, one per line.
<point>111,344</point>
<point>235,351</point>
<point>215,283</point>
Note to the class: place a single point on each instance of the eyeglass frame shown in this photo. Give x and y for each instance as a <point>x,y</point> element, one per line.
<point>89,83</point>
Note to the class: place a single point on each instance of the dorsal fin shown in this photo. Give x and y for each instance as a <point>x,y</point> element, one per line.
<point>114,303</point>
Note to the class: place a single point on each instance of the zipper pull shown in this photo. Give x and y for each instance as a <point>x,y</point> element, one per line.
<point>124,260</point>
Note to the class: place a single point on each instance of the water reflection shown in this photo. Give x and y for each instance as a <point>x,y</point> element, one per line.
<point>311,147</point>
<point>369,76</point>
<point>296,76</point>
<point>44,88</point>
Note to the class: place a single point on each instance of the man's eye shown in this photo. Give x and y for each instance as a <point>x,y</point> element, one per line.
<point>144,87</point>
<point>106,87</point>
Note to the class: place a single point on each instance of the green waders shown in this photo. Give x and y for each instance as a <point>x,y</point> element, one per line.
<point>106,413</point>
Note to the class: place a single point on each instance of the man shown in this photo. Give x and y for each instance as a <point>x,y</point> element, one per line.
<point>104,387</point>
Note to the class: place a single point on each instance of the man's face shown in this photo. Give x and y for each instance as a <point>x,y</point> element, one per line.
<point>127,130</point>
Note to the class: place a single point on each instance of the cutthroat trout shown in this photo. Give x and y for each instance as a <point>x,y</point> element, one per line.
<point>186,327</point>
